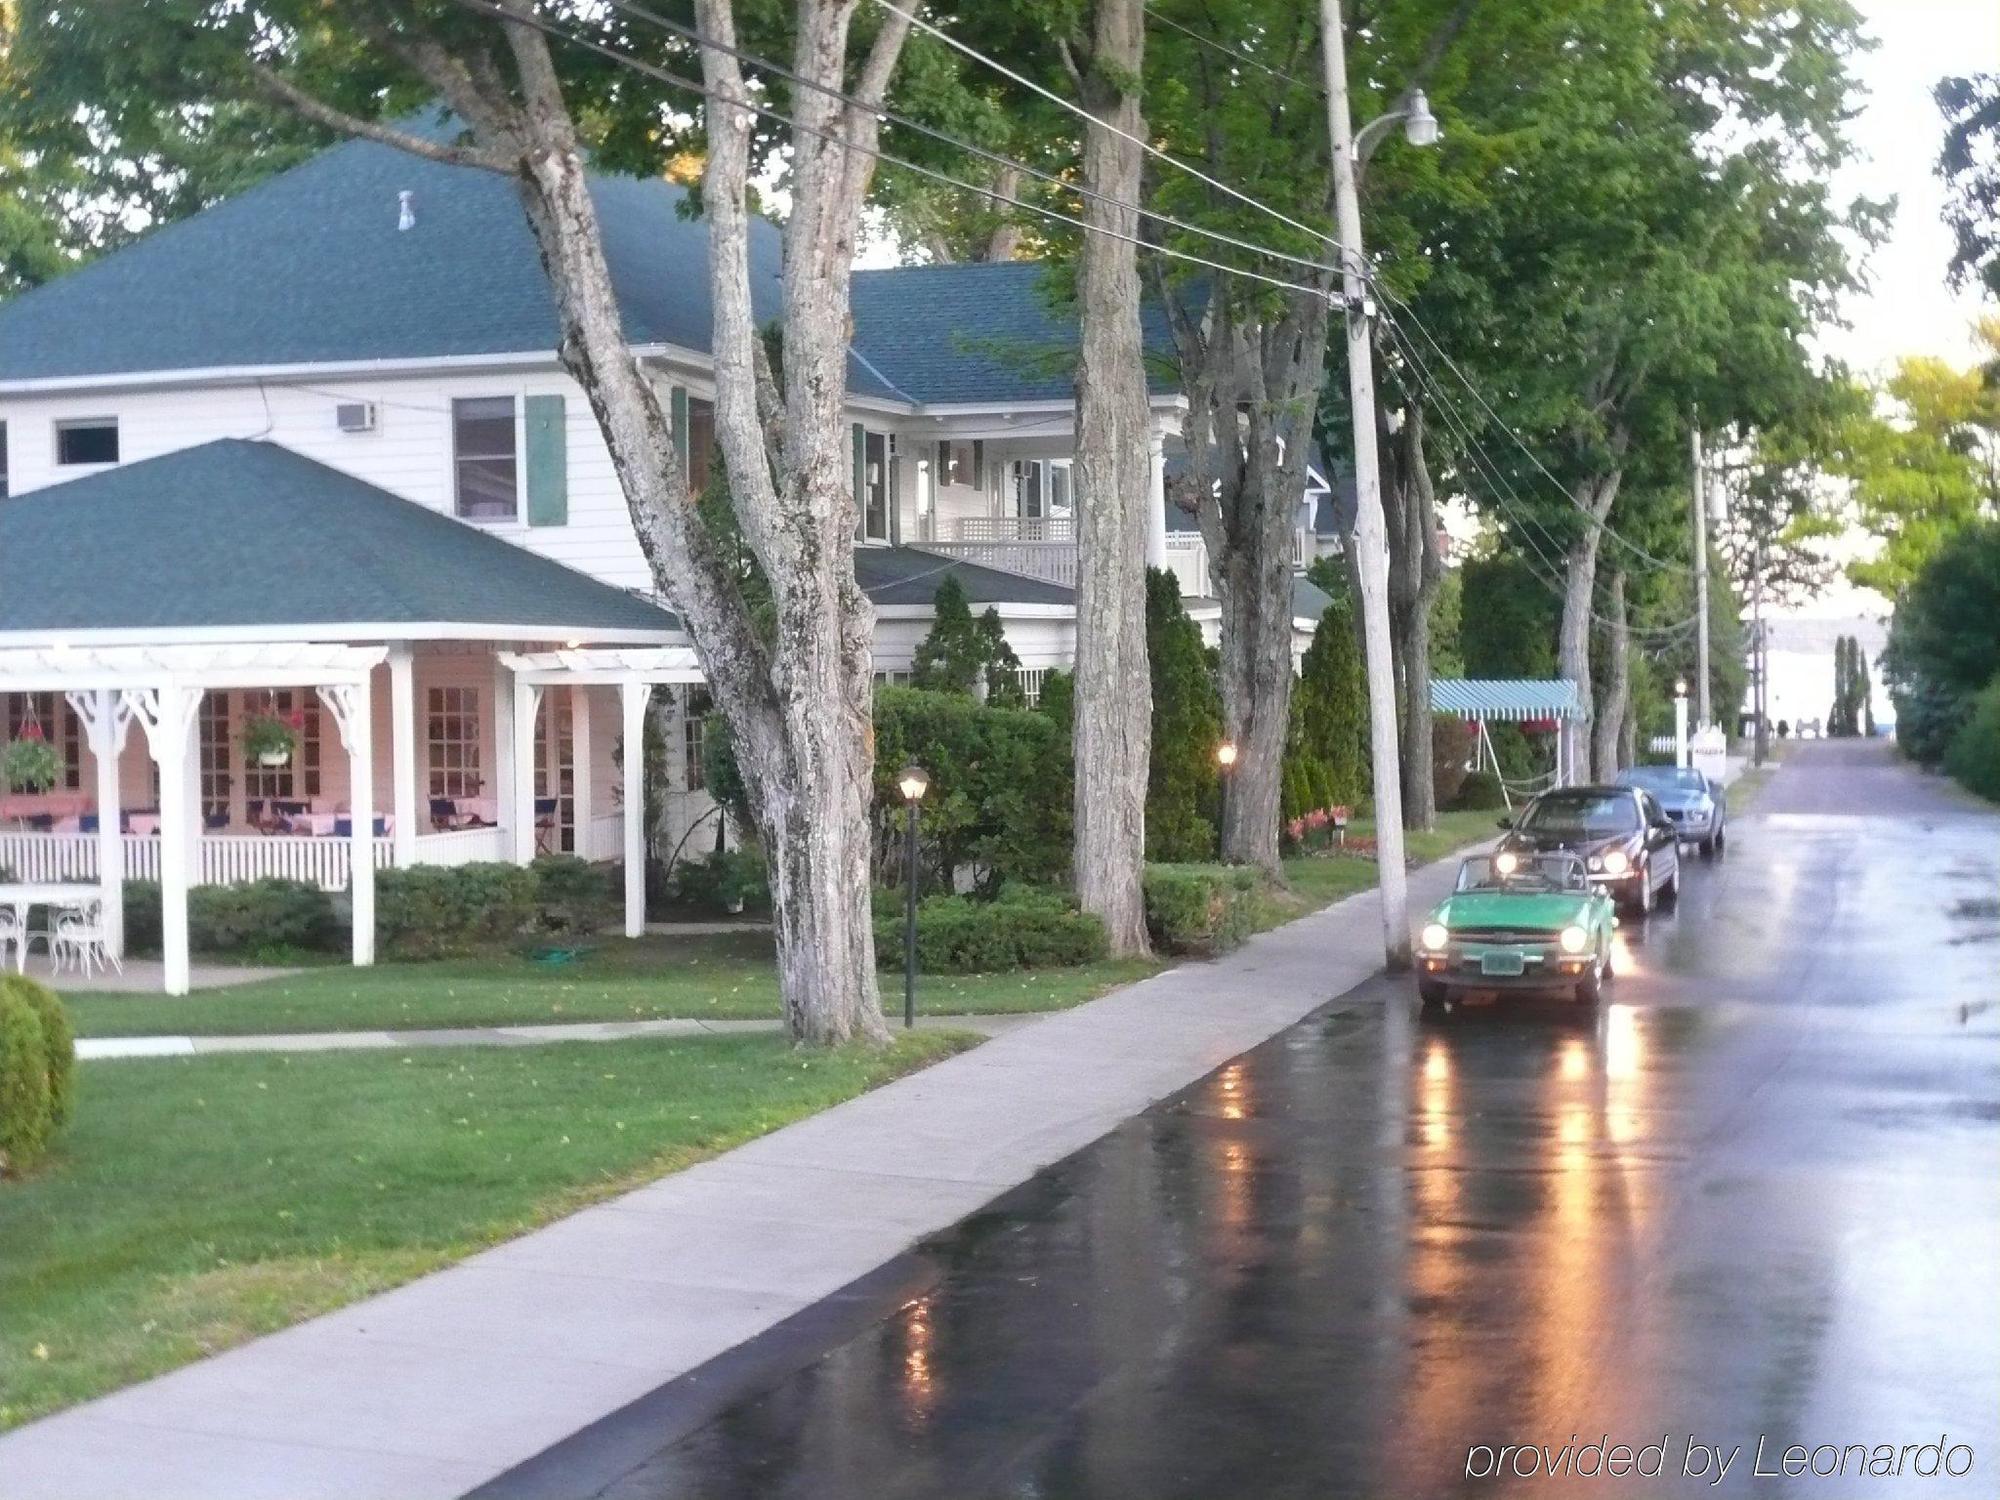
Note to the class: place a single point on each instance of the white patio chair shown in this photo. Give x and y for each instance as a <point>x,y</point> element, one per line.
<point>79,938</point>
<point>13,934</point>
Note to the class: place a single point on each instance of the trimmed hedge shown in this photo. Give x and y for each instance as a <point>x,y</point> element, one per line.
<point>1479,792</point>
<point>1021,928</point>
<point>431,911</point>
<point>249,917</point>
<point>574,895</point>
<point>727,882</point>
<point>1199,911</point>
<point>37,1071</point>
<point>1974,753</point>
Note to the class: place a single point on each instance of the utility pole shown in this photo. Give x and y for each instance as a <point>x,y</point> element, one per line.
<point>1370,535</point>
<point>1703,713</point>
<point>1761,746</point>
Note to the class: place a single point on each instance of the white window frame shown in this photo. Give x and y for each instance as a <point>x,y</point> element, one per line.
<point>514,518</point>
<point>443,702</point>
<point>64,425</point>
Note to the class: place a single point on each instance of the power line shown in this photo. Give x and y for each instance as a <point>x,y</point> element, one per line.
<point>701,39</point>
<point>1508,499</point>
<point>676,80</point>
<point>1317,89</point>
<point>1562,489</point>
<point>1078,110</point>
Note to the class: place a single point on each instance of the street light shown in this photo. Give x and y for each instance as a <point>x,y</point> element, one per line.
<point>1349,153</point>
<point>912,782</point>
<point>1225,762</point>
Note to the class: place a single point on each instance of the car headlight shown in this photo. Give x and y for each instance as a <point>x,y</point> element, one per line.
<point>1615,863</point>
<point>1506,862</point>
<point>1573,939</point>
<point>1435,935</point>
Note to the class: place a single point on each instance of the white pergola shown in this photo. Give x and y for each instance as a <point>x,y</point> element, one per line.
<point>634,671</point>
<point>161,687</point>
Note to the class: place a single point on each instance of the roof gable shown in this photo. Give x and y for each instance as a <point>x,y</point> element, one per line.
<point>237,534</point>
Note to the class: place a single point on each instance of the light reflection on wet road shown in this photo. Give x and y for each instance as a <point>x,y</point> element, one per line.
<point>1758,1195</point>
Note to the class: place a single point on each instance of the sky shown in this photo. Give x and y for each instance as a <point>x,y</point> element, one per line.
<point>1908,309</point>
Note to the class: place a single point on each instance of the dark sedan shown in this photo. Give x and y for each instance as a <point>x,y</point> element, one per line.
<point>1628,845</point>
<point>1698,807</point>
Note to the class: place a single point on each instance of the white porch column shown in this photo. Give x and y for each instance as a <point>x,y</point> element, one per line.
<point>105,717</point>
<point>1156,501</point>
<point>632,698</point>
<point>582,790</point>
<point>352,706</point>
<point>501,781</point>
<point>403,750</point>
<point>167,712</point>
<point>527,698</point>
<point>197,819</point>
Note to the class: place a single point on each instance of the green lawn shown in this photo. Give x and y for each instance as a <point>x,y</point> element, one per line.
<point>719,976</point>
<point>1318,880</point>
<point>194,1203</point>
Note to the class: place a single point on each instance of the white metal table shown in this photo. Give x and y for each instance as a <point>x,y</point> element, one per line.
<point>21,896</point>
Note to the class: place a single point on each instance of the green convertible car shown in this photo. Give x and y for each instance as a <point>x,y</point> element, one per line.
<point>1517,922</point>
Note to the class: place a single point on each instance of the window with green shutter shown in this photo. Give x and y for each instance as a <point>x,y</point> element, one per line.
<point>548,461</point>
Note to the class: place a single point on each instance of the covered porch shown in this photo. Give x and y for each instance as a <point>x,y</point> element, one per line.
<point>424,695</point>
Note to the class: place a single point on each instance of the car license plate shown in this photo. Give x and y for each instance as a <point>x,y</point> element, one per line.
<point>1502,964</point>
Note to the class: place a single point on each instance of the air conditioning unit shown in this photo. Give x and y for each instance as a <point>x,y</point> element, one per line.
<point>355,416</point>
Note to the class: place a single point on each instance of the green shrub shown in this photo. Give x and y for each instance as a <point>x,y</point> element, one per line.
<point>999,798</point>
<point>1479,792</point>
<point>1022,928</point>
<point>1974,756</point>
<point>26,1119</point>
<point>1199,911</point>
<point>728,881</point>
<point>428,911</point>
<point>58,1041</point>
<point>574,895</point>
<point>1182,793</point>
<point>249,917</point>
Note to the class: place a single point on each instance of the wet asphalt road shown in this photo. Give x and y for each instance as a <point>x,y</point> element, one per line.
<point>1758,1196</point>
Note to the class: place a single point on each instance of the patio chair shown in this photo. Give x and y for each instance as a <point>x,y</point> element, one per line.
<point>444,814</point>
<point>343,828</point>
<point>13,934</point>
<point>79,939</point>
<point>211,821</point>
<point>545,823</point>
<point>86,822</point>
<point>40,822</point>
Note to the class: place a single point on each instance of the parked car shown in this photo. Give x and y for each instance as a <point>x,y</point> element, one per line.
<point>1698,806</point>
<point>1518,922</point>
<point>1625,839</point>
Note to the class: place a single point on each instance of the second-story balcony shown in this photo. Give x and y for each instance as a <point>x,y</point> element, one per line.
<point>1044,547</point>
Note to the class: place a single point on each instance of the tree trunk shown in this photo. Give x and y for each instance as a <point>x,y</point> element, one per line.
<point>1416,573</point>
<point>1594,496</point>
<point>1114,696</point>
<point>1618,683</point>
<point>798,714</point>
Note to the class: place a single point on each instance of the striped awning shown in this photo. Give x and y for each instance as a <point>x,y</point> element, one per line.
<point>1505,698</point>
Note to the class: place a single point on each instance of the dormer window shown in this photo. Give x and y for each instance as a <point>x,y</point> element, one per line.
<point>87,440</point>
<point>486,475</point>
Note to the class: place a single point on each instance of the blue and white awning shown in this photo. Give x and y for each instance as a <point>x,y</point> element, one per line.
<point>1505,698</point>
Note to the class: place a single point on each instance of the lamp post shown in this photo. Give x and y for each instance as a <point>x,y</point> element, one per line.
<point>1349,154</point>
<point>912,782</point>
<point>1681,757</point>
<point>1225,762</point>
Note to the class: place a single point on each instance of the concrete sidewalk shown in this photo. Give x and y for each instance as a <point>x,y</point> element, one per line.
<point>432,1389</point>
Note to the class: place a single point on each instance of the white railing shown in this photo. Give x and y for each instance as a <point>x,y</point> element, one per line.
<point>461,846</point>
<point>1009,529</point>
<point>603,837</point>
<point>1031,679</point>
<point>1052,562</point>
<point>226,859</point>
<point>1187,560</point>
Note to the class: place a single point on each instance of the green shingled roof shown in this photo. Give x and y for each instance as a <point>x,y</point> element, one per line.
<point>310,267</point>
<point>909,575</point>
<point>946,334</point>
<point>236,534</point>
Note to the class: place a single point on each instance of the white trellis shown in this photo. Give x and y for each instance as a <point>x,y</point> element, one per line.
<point>634,671</point>
<point>160,688</point>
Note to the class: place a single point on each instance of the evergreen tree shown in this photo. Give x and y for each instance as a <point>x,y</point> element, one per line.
<point>962,654</point>
<point>1187,726</point>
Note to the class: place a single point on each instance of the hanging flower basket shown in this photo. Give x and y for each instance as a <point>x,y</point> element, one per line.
<point>31,762</point>
<point>270,740</point>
